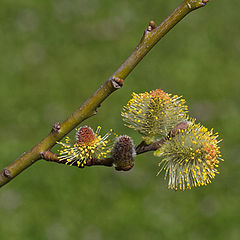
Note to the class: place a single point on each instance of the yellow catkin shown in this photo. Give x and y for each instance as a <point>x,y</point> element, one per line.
<point>154,113</point>
<point>88,145</point>
<point>195,162</point>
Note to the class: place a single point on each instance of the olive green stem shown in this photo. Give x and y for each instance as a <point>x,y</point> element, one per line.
<point>151,36</point>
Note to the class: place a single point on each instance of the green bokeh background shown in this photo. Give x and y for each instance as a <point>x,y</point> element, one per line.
<point>53,55</point>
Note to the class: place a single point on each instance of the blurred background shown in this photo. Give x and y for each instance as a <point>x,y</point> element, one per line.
<point>53,55</point>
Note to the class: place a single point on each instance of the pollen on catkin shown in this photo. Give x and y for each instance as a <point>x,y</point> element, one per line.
<point>153,114</point>
<point>88,145</point>
<point>191,158</point>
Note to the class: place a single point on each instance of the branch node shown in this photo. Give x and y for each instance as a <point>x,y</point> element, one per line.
<point>56,127</point>
<point>7,173</point>
<point>152,25</point>
<point>117,82</point>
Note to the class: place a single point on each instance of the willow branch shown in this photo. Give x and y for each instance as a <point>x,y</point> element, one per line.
<point>151,36</point>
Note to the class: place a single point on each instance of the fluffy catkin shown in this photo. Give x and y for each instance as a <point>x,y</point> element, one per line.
<point>123,153</point>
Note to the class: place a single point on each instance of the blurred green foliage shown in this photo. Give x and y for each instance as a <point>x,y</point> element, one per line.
<point>53,55</point>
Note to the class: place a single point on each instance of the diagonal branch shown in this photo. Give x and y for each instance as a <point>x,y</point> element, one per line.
<point>151,36</point>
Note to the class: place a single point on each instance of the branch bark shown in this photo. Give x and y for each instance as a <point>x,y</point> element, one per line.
<point>151,36</point>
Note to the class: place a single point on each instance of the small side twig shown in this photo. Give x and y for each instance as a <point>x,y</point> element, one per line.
<point>143,147</point>
<point>52,157</point>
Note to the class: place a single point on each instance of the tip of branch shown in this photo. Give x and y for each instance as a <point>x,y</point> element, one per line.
<point>194,4</point>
